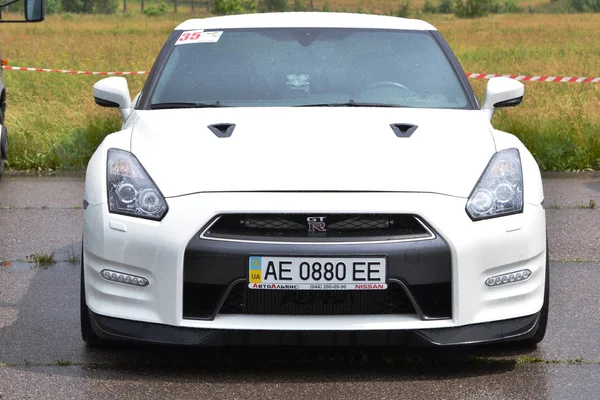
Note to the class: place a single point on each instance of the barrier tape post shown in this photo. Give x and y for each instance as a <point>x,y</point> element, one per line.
<point>526,78</point>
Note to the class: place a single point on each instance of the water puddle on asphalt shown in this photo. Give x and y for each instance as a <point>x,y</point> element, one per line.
<point>21,265</point>
<point>593,186</point>
<point>4,265</point>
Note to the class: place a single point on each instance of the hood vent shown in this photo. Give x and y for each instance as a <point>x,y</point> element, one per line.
<point>222,130</point>
<point>404,130</point>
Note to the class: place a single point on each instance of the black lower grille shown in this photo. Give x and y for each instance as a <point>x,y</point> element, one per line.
<point>242,300</point>
<point>434,300</point>
<point>200,301</point>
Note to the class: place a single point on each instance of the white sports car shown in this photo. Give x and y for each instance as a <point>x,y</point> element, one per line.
<point>313,178</point>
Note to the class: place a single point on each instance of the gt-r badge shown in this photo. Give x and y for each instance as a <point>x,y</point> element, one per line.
<point>316,224</point>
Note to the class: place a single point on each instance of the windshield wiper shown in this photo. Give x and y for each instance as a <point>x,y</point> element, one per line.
<point>352,103</point>
<point>159,106</point>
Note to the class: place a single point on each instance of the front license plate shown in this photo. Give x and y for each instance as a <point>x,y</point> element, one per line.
<point>317,273</point>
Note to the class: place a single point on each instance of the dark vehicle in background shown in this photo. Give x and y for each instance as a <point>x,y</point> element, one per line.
<point>33,11</point>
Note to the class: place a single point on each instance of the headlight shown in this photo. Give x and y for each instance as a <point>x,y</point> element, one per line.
<point>131,191</point>
<point>500,189</point>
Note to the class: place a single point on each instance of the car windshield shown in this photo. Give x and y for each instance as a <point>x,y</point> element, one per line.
<point>279,67</point>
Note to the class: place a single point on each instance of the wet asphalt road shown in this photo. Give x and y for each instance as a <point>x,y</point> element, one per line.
<point>42,355</point>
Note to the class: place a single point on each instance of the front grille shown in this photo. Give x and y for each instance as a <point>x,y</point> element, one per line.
<point>242,300</point>
<point>317,227</point>
<point>267,223</point>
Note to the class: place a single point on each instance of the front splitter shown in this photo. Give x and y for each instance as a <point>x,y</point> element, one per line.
<point>114,329</point>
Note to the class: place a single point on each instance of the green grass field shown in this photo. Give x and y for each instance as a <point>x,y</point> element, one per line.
<point>54,123</point>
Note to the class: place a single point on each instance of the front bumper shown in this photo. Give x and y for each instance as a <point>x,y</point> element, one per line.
<point>156,251</point>
<point>491,332</point>
<point>417,271</point>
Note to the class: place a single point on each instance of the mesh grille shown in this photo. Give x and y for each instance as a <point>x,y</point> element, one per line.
<point>331,227</point>
<point>363,222</point>
<point>235,301</point>
<point>270,223</point>
<point>242,300</point>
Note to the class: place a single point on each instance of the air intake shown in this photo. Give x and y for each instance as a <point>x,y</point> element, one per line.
<point>222,130</point>
<point>404,130</point>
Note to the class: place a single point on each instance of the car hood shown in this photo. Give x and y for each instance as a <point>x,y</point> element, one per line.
<point>313,149</point>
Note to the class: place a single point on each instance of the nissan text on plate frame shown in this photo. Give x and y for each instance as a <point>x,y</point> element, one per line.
<point>285,177</point>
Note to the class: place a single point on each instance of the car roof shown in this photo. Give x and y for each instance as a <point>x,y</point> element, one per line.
<point>306,20</point>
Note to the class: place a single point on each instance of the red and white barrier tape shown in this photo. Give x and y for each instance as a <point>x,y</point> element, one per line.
<point>73,72</point>
<point>572,79</point>
<point>527,78</point>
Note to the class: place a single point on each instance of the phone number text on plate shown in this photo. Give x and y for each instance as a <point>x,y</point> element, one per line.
<point>315,286</point>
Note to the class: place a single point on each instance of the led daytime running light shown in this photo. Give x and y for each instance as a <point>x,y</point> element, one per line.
<point>121,277</point>
<point>516,276</point>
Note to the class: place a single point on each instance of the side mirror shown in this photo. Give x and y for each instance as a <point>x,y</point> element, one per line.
<point>114,92</point>
<point>502,92</point>
<point>35,10</point>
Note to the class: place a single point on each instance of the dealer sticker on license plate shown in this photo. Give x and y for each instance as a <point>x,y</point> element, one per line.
<point>317,273</point>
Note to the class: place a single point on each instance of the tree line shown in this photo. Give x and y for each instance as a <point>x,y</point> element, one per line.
<point>460,8</point>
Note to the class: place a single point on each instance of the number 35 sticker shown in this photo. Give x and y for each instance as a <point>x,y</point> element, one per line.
<point>199,37</point>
